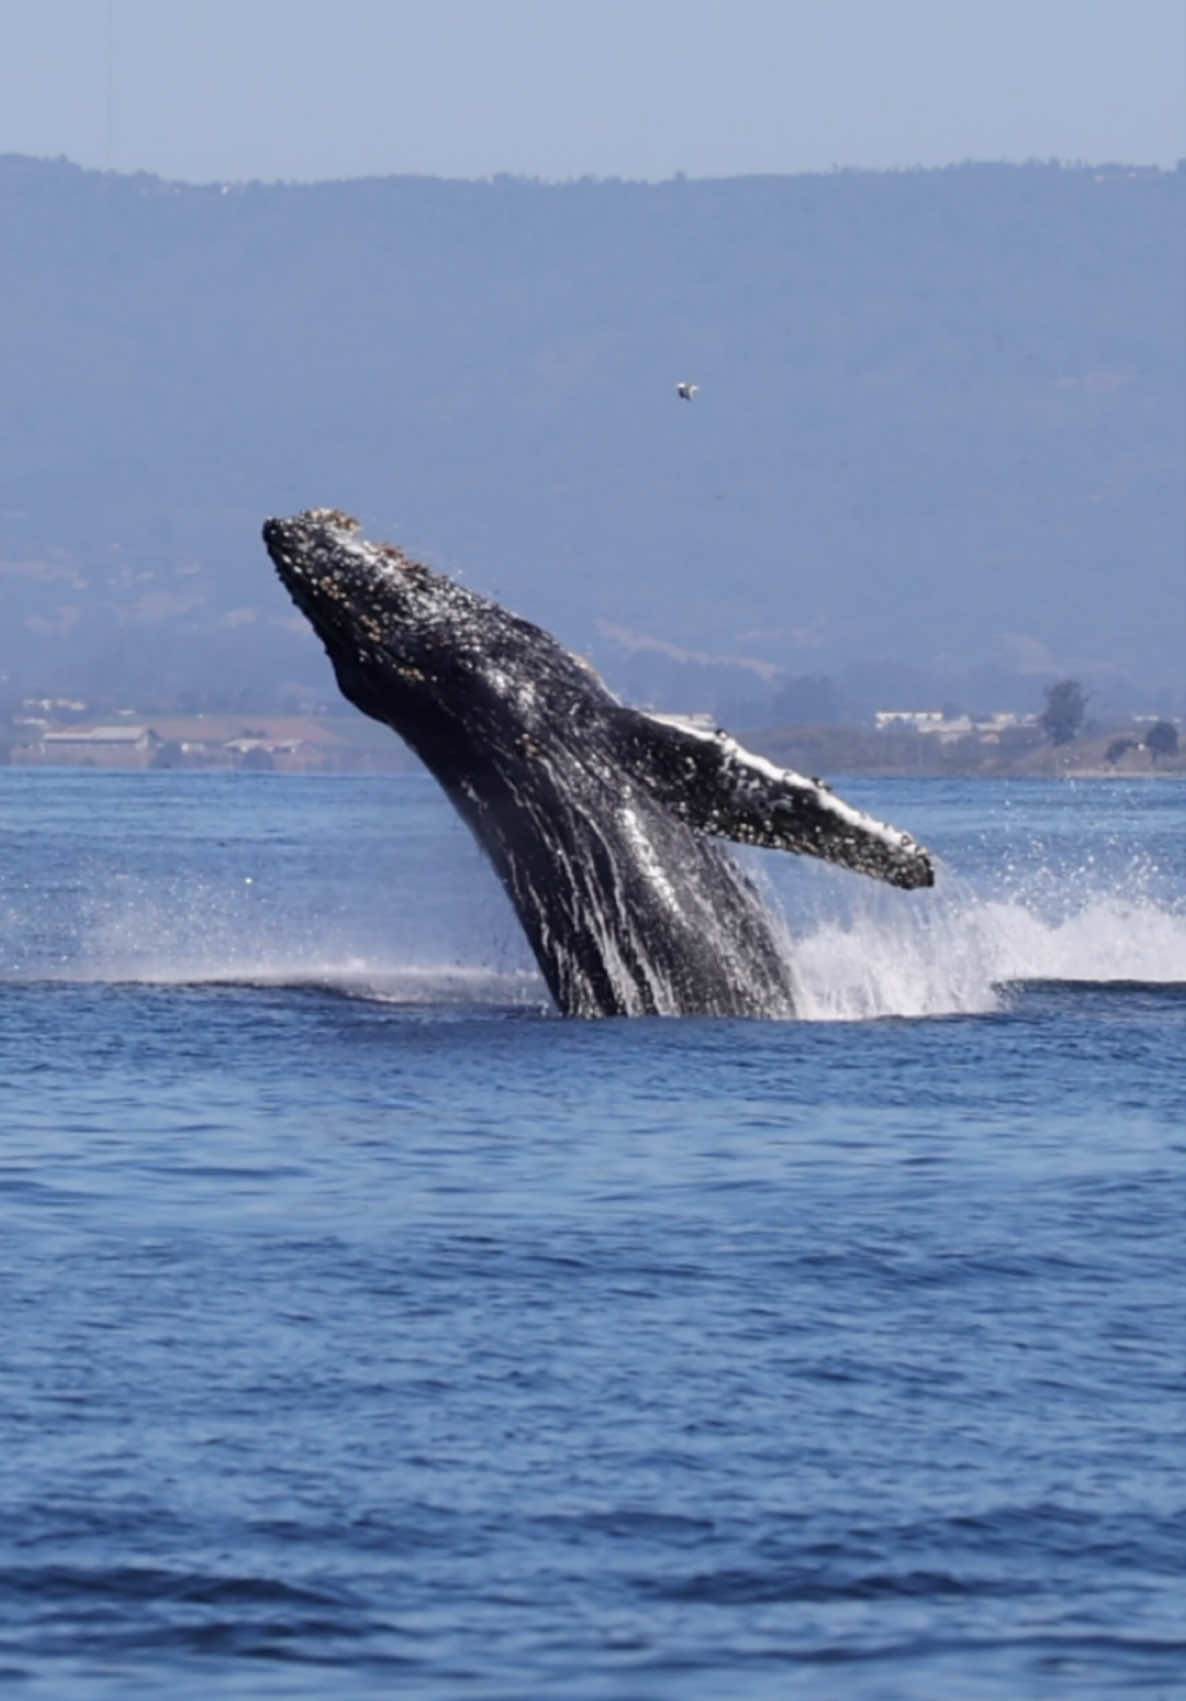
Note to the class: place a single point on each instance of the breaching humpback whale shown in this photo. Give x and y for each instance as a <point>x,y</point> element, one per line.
<point>600,821</point>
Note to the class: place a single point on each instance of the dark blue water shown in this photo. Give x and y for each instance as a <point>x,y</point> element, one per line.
<point>368,1330</point>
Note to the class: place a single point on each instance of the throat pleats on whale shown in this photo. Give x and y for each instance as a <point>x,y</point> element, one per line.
<point>602,823</point>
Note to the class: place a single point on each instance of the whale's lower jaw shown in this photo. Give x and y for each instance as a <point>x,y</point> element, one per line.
<point>716,955</point>
<point>628,911</point>
<point>586,1000</point>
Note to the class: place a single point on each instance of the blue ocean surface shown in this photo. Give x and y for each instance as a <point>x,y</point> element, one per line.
<point>369,1330</point>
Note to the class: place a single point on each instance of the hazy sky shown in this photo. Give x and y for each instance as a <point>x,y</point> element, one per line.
<point>559,88</point>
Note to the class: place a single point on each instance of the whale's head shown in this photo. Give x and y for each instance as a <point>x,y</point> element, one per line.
<point>354,591</point>
<point>371,605</point>
<point>410,646</point>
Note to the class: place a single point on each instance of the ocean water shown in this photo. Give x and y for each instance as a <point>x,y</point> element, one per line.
<point>369,1330</point>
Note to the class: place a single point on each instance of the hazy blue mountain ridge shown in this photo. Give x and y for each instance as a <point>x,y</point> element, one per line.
<point>941,427</point>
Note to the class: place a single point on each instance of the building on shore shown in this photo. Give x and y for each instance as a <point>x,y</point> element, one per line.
<point>127,745</point>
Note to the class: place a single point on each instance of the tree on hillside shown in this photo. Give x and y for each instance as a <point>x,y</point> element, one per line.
<point>1066,707</point>
<point>1162,739</point>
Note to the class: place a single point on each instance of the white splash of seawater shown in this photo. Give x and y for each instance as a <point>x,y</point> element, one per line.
<point>450,984</point>
<point>859,951</point>
<point>954,953</point>
<point>376,980</point>
<point>197,932</point>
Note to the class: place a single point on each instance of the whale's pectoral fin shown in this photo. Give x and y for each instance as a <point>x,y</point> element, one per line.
<point>714,784</point>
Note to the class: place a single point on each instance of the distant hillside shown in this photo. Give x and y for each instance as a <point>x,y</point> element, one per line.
<point>939,444</point>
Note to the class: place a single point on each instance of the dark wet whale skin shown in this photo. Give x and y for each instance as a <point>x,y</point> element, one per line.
<point>594,816</point>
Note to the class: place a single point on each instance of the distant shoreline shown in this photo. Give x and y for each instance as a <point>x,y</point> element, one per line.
<point>402,764</point>
<point>321,742</point>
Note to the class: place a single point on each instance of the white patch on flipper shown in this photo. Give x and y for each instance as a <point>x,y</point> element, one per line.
<point>756,767</point>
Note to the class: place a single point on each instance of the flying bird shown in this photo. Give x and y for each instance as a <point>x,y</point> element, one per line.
<point>686,391</point>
